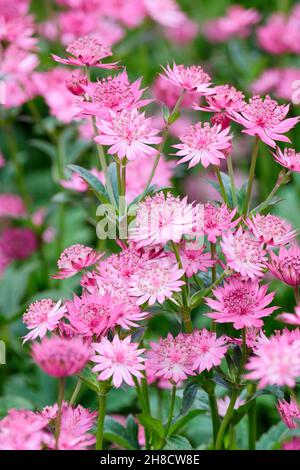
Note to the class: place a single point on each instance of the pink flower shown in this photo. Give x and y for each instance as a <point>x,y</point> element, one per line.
<point>128,134</point>
<point>112,94</point>
<point>11,206</point>
<point>171,358</point>
<point>265,118</point>
<point>289,413</point>
<point>22,430</point>
<point>276,361</point>
<point>272,37</point>
<point>194,259</point>
<point>279,82</point>
<point>165,12</point>
<point>223,404</point>
<point>87,51</point>
<point>241,303</point>
<point>293,444</point>
<point>76,83</point>
<point>168,93</point>
<point>18,243</point>
<point>207,350</point>
<point>290,318</point>
<point>289,159</point>
<point>286,265</point>
<point>75,258</point>
<point>270,229</point>
<point>184,33</point>
<point>244,254</point>
<point>42,316</point>
<point>61,357</point>
<point>76,183</point>
<point>156,282</point>
<point>188,78</point>
<point>161,218</point>
<point>2,161</point>
<point>218,220</point>
<point>119,359</point>
<point>205,143</point>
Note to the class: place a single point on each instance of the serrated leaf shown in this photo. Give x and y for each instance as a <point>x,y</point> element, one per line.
<point>152,424</point>
<point>97,187</point>
<point>115,432</point>
<point>189,396</point>
<point>132,430</point>
<point>272,437</point>
<point>177,443</point>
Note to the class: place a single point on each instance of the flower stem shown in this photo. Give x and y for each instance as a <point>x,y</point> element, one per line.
<point>251,175</point>
<point>244,347</point>
<point>296,293</point>
<point>214,415</point>
<point>75,392</point>
<point>171,411</point>
<point>60,400</point>
<point>280,180</point>
<point>186,311</point>
<point>252,419</point>
<point>101,416</point>
<point>221,184</point>
<point>231,176</point>
<point>224,424</point>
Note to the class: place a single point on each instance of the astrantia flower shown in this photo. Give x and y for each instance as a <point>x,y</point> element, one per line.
<point>75,258</point>
<point>293,444</point>
<point>266,119</point>
<point>156,282</point>
<point>241,303</point>
<point>286,265</point>
<point>76,84</point>
<point>128,134</point>
<point>204,143</point>
<point>270,229</point>
<point>218,220</point>
<point>223,404</point>
<point>188,78</point>
<point>289,159</point>
<point>22,430</point>
<point>42,316</point>
<point>61,357</point>
<point>244,253</point>
<point>161,218</point>
<point>18,243</point>
<point>120,360</point>
<point>93,314</point>
<point>171,358</point>
<point>207,350</point>
<point>165,12</point>
<point>289,413</point>
<point>11,206</point>
<point>276,361</point>
<point>194,259</point>
<point>290,318</point>
<point>87,51</point>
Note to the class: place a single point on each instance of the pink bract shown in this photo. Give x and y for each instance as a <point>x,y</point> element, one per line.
<point>42,316</point>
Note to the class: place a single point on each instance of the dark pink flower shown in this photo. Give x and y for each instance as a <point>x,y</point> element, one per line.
<point>75,258</point>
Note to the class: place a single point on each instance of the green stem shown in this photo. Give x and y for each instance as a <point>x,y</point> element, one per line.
<point>75,392</point>
<point>60,400</point>
<point>221,184</point>
<point>296,293</point>
<point>252,419</point>
<point>277,186</point>
<point>101,416</point>
<point>231,176</point>
<point>186,311</point>
<point>214,415</point>
<point>171,411</point>
<point>251,175</point>
<point>145,409</point>
<point>244,346</point>
<point>224,424</point>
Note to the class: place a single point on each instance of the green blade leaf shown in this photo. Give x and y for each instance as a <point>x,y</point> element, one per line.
<point>96,186</point>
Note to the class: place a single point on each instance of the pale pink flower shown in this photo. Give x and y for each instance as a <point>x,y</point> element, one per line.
<point>218,220</point>
<point>290,318</point>
<point>204,143</point>
<point>120,360</point>
<point>270,229</point>
<point>61,357</point>
<point>279,82</point>
<point>112,94</point>
<point>286,265</point>
<point>76,84</point>
<point>128,134</point>
<point>272,37</point>
<point>289,159</point>
<point>2,161</point>
<point>242,303</point>
<point>42,316</point>
<point>22,430</point>
<point>244,254</point>
<point>128,12</point>
<point>266,119</point>
<point>11,206</point>
<point>223,404</point>
<point>193,259</point>
<point>276,361</point>
<point>188,78</point>
<point>207,350</point>
<point>165,12</point>
<point>289,413</point>
<point>156,282</point>
<point>18,243</point>
<point>168,93</point>
<point>161,218</point>
<point>87,51</point>
<point>75,258</point>
<point>184,33</point>
<point>171,358</point>
<point>293,444</point>
<point>236,23</point>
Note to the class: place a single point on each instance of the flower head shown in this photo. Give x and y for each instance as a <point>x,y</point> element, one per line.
<point>11,206</point>
<point>293,444</point>
<point>276,361</point>
<point>207,350</point>
<point>188,78</point>
<point>61,357</point>
<point>128,134</point>
<point>119,359</point>
<point>18,243</point>
<point>75,258</point>
<point>286,265</point>
<point>290,318</point>
<point>289,159</point>
<point>241,303</point>
<point>22,430</point>
<point>87,51</point>
<point>218,220</point>
<point>289,413</point>
<point>42,316</point>
<point>194,259</point>
<point>244,253</point>
<point>204,143</point>
<point>270,229</point>
<point>266,119</point>
<point>162,218</point>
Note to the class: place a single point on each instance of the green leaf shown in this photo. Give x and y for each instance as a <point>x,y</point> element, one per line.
<point>152,424</point>
<point>177,443</point>
<point>13,287</point>
<point>113,175</point>
<point>132,431</point>
<point>173,118</point>
<point>6,403</point>
<point>44,146</point>
<point>272,437</point>
<point>90,379</point>
<point>96,185</point>
<point>184,420</point>
<point>189,396</point>
<point>115,432</point>
<point>227,186</point>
